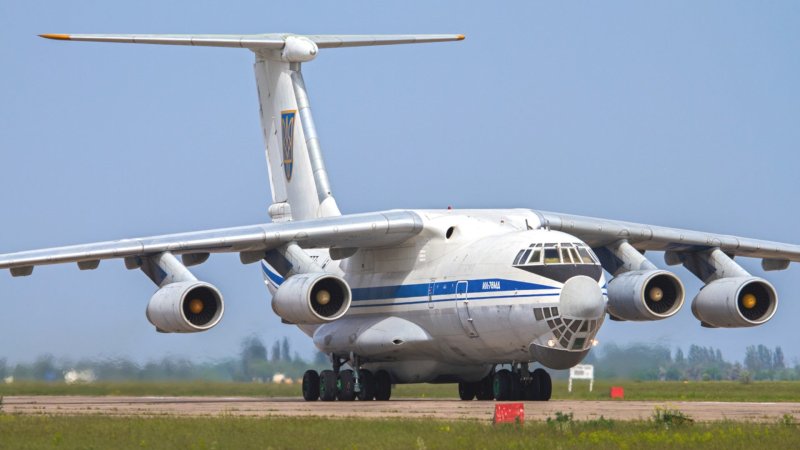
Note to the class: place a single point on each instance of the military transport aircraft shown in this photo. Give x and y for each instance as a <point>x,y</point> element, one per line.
<point>408,296</point>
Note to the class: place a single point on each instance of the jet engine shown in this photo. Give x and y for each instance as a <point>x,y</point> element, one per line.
<point>735,302</point>
<point>312,298</point>
<point>644,295</point>
<point>185,307</point>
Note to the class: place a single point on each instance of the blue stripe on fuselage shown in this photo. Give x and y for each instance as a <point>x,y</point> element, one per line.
<point>489,285</point>
<point>277,279</point>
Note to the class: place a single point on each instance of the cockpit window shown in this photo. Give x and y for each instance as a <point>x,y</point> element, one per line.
<point>555,253</point>
<point>536,257</point>
<point>587,257</point>
<point>565,258</point>
<point>551,256</point>
<point>574,253</point>
<point>519,256</point>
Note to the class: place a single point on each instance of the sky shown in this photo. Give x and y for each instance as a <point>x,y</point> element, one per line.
<point>680,114</point>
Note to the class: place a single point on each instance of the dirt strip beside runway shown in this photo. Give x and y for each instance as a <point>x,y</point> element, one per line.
<point>401,408</point>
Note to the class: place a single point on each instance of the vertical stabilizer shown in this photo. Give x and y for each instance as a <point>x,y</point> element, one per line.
<point>296,169</point>
<point>297,175</point>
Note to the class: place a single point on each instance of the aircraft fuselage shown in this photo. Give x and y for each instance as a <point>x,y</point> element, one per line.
<point>473,289</point>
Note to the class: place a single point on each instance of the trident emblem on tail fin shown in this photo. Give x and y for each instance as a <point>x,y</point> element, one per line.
<point>287,131</point>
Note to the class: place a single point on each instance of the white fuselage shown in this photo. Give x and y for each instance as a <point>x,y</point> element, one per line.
<point>461,296</point>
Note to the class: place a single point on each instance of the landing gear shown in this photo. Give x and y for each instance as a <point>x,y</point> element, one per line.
<point>508,385</point>
<point>367,391</point>
<point>542,380</point>
<point>311,386</point>
<point>466,391</point>
<point>383,386</point>
<point>485,388</point>
<point>502,386</point>
<point>328,388</point>
<point>346,385</point>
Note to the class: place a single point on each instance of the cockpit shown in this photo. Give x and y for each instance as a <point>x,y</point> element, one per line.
<point>555,253</point>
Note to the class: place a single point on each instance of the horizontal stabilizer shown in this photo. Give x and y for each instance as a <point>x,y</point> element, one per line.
<point>258,41</point>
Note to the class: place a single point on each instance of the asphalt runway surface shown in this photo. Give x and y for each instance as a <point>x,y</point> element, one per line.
<point>400,408</point>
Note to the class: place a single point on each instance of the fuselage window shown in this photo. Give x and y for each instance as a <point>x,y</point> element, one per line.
<point>551,256</point>
<point>574,253</point>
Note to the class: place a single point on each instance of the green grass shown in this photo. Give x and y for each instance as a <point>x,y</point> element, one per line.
<point>99,432</point>
<point>762,391</point>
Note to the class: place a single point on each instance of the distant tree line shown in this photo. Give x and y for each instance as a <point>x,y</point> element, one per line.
<point>657,362</point>
<point>254,363</point>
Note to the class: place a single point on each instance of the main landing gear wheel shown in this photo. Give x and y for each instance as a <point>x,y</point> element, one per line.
<point>502,385</point>
<point>327,385</point>
<point>545,384</point>
<point>310,385</point>
<point>466,391</point>
<point>347,386</point>
<point>383,385</point>
<point>367,391</point>
<point>484,388</point>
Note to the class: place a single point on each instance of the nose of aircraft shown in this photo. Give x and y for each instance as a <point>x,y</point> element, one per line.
<point>581,298</point>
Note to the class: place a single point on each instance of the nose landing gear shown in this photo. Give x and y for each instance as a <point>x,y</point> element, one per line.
<point>505,385</point>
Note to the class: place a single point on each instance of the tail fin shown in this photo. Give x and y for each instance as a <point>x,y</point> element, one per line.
<point>298,179</point>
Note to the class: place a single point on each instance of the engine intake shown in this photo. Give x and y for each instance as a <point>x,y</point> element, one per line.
<point>185,307</point>
<point>312,298</point>
<point>735,302</point>
<point>644,295</point>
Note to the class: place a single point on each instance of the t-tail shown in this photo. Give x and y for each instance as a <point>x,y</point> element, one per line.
<point>298,179</point>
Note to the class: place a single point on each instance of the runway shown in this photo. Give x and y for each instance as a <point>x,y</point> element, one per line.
<point>400,408</point>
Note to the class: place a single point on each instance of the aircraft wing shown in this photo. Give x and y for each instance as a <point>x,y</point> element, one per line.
<point>345,232</point>
<point>601,232</point>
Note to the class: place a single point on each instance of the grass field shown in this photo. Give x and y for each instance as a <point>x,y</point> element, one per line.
<point>763,391</point>
<point>99,432</point>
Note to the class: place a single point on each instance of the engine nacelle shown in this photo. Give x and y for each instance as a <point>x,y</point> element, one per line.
<point>185,307</point>
<point>644,295</point>
<point>735,302</point>
<point>312,298</point>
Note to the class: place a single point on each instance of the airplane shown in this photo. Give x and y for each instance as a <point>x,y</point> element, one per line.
<point>472,297</point>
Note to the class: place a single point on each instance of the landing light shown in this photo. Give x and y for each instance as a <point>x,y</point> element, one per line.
<point>595,342</point>
<point>551,343</point>
<point>749,301</point>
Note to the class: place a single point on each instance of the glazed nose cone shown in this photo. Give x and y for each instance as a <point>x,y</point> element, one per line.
<point>581,298</point>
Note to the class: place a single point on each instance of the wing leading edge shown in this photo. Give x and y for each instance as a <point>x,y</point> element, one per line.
<point>599,232</point>
<point>351,231</point>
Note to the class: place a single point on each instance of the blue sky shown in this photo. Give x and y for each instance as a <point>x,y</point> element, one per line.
<point>679,114</point>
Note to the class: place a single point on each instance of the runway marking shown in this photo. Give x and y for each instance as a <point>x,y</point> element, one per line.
<point>400,408</point>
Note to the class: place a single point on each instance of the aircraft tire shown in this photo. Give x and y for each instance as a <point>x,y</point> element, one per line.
<point>485,389</point>
<point>311,386</point>
<point>383,386</point>
<point>502,385</point>
<point>327,385</point>
<point>545,385</point>
<point>516,387</point>
<point>532,389</point>
<point>347,386</point>
<point>466,391</point>
<point>367,385</point>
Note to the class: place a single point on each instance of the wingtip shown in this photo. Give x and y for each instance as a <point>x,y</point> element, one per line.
<point>460,37</point>
<point>58,37</point>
